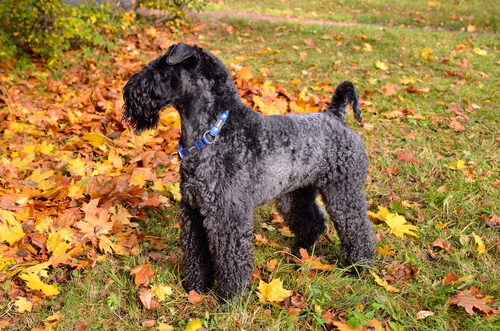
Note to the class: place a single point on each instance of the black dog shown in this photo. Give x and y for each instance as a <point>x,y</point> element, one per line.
<point>235,159</point>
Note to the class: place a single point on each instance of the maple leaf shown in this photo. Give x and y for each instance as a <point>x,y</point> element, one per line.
<point>23,305</point>
<point>143,274</point>
<point>399,227</point>
<point>34,282</point>
<point>471,299</point>
<point>386,250</point>
<point>396,222</point>
<point>450,278</point>
<point>383,283</point>
<point>272,292</point>
<point>161,291</point>
<point>479,51</point>
<point>313,262</point>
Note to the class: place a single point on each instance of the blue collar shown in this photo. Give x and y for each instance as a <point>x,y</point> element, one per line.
<point>208,138</point>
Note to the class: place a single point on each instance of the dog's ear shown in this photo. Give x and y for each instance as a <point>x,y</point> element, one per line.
<point>179,53</point>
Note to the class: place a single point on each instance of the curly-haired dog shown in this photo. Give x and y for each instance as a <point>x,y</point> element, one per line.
<point>234,159</point>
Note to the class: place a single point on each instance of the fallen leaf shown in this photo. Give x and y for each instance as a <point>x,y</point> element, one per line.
<point>34,282</point>
<point>194,325</point>
<point>23,305</point>
<point>194,297</point>
<point>386,250</point>
<point>479,51</point>
<point>479,242</point>
<point>426,53</point>
<point>383,283</point>
<point>271,265</point>
<point>381,65</point>
<point>147,299</point>
<point>450,278</point>
<point>143,274</point>
<point>408,158</point>
<point>457,165</point>
<point>471,299</point>
<point>440,243</point>
<point>423,314</point>
<point>374,325</point>
<point>272,292</point>
<point>312,262</point>
<point>161,291</point>
<point>456,125</point>
<point>148,323</point>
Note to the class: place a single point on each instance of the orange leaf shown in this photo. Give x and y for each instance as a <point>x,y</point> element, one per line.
<point>439,242</point>
<point>194,297</point>
<point>147,300</point>
<point>143,274</point>
<point>471,299</point>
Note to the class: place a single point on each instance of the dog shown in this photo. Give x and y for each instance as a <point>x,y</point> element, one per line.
<point>234,159</point>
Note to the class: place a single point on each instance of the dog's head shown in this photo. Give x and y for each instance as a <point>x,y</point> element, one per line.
<point>181,77</point>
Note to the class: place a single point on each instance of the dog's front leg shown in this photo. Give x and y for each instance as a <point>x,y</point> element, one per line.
<point>230,240</point>
<point>198,272</point>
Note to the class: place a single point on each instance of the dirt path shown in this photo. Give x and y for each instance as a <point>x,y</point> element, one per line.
<point>217,15</point>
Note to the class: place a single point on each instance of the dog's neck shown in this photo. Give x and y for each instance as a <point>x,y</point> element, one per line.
<point>199,115</point>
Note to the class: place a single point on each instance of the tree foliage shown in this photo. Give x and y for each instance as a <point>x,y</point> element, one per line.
<point>47,27</point>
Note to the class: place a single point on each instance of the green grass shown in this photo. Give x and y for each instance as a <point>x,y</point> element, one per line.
<point>449,14</point>
<point>106,296</point>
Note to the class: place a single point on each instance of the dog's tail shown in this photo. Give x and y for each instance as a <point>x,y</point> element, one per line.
<point>345,94</point>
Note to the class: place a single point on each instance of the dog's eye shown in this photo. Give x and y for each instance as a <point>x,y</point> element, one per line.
<point>163,74</point>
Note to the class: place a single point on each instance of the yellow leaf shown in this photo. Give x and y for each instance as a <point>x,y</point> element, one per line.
<point>398,225</point>
<point>23,305</point>
<point>174,189</point>
<point>381,65</point>
<point>442,225</point>
<point>273,291</point>
<point>471,28</point>
<point>386,250</point>
<point>383,283</point>
<point>77,166</point>
<point>38,268</point>
<point>479,51</point>
<point>34,283</point>
<point>457,165</point>
<point>137,180</point>
<point>95,139</point>
<point>10,234</point>
<point>396,222</point>
<point>194,325</point>
<point>426,53</point>
<point>479,242</point>
<point>165,327</point>
<point>367,48</point>
<point>161,291</point>
<point>9,216</point>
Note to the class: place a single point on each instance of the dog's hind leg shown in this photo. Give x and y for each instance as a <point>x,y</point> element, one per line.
<point>198,272</point>
<point>346,204</point>
<point>229,231</point>
<point>304,216</point>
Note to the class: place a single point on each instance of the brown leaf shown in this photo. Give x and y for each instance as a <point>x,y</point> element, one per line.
<point>271,265</point>
<point>147,299</point>
<point>390,88</point>
<point>456,125</point>
<point>408,158</point>
<point>471,299</point>
<point>81,326</point>
<point>439,242</point>
<point>143,274</point>
<point>194,297</point>
<point>494,222</point>
<point>148,323</point>
<point>450,278</point>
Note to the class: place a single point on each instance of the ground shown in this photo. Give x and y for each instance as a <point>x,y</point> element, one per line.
<point>428,84</point>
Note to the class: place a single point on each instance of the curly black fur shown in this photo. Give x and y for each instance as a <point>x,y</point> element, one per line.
<point>290,158</point>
